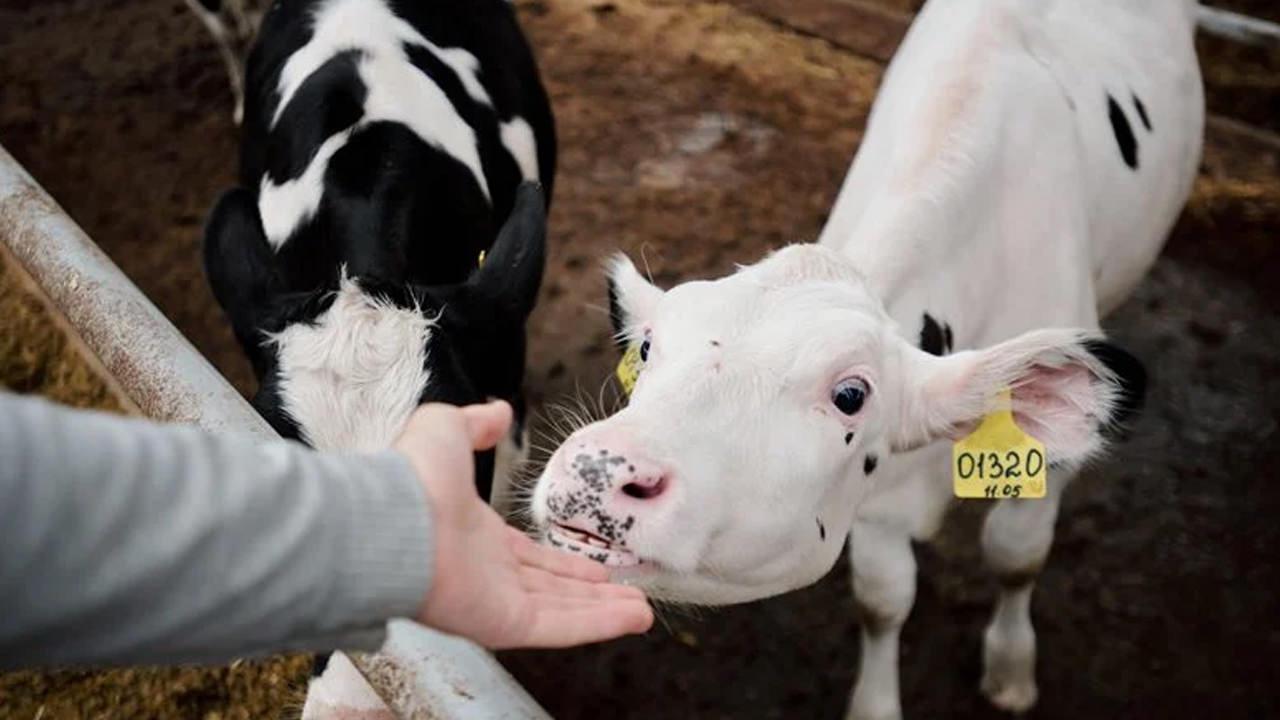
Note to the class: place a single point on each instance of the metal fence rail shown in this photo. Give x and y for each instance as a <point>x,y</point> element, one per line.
<point>420,673</point>
<point>1237,27</point>
<point>156,366</point>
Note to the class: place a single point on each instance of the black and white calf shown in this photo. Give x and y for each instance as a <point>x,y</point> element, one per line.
<point>387,145</point>
<point>1021,168</point>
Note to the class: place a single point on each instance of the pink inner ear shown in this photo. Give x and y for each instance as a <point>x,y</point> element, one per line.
<point>1060,407</point>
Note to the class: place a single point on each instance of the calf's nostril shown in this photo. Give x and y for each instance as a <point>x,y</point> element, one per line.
<point>645,489</point>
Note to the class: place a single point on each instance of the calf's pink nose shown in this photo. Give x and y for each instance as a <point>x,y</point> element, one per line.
<point>612,467</point>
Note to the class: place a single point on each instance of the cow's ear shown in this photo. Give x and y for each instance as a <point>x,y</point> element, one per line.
<point>239,263</point>
<point>512,270</point>
<point>1070,390</point>
<point>632,298</point>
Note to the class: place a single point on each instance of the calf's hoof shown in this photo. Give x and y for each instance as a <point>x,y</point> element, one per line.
<point>873,710</point>
<point>1015,697</point>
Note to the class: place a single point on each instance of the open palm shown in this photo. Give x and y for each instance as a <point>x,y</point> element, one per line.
<point>491,583</point>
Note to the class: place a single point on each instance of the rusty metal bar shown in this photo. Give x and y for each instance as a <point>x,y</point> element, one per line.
<point>420,673</point>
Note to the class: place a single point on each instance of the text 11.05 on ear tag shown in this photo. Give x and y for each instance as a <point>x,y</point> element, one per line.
<point>628,371</point>
<point>999,460</point>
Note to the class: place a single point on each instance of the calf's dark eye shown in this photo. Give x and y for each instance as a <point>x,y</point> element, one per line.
<point>849,396</point>
<point>644,351</point>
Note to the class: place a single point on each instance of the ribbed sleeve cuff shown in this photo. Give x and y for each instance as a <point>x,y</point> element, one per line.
<point>389,549</point>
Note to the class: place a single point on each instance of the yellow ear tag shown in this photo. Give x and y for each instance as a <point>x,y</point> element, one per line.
<point>999,460</point>
<point>628,371</point>
<point>480,260</point>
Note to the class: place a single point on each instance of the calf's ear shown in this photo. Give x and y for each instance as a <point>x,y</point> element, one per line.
<point>512,271</point>
<point>1071,390</point>
<point>632,299</point>
<point>240,265</point>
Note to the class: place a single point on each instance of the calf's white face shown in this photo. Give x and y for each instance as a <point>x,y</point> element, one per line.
<point>765,401</point>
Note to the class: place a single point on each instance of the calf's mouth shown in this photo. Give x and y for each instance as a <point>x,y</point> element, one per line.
<point>591,546</point>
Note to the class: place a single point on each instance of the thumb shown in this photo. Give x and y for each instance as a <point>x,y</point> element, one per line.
<point>486,424</point>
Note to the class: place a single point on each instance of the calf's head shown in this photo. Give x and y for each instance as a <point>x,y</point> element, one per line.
<point>763,404</point>
<point>343,365</point>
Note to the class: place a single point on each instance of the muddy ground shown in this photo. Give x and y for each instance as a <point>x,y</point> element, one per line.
<point>700,134</point>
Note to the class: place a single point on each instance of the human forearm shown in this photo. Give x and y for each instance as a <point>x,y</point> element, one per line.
<point>128,542</point>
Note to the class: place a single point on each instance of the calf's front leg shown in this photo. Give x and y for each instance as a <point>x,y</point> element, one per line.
<point>884,588</point>
<point>1016,539</point>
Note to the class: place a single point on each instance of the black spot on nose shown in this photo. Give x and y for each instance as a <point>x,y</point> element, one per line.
<point>822,530</point>
<point>848,438</point>
<point>1124,133</point>
<point>869,464</point>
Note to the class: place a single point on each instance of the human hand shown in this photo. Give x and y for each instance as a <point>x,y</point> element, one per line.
<point>492,583</point>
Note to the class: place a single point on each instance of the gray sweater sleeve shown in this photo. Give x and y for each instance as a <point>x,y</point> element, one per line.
<point>124,541</point>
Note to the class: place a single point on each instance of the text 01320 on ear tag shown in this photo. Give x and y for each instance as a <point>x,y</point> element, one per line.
<point>999,460</point>
<point>628,371</point>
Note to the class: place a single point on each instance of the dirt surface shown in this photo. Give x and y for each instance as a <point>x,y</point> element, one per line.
<point>244,691</point>
<point>700,134</point>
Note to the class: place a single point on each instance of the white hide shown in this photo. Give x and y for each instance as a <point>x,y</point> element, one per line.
<point>342,693</point>
<point>351,379</point>
<point>990,192</point>
<point>397,92</point>
<point>517,138</point>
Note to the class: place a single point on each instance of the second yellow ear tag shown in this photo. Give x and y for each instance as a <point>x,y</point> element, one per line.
<point>999,460</point>
<point>628,371</point>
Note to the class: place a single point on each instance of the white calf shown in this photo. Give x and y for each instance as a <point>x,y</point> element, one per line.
<point>1021,169</point>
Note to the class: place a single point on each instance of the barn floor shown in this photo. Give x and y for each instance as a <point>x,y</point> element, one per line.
<point>699,134</point>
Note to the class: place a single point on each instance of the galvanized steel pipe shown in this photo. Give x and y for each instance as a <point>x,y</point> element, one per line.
<point>1237,27</point>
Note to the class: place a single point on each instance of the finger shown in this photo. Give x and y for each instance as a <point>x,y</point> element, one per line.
<point>536,580</point>
<point>487,423</point>
<point>564,622</point>
<point>557,561</point>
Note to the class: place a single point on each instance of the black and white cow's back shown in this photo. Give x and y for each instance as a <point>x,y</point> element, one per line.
<point>387,145</point>
<point>449,80</point>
